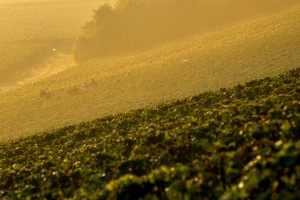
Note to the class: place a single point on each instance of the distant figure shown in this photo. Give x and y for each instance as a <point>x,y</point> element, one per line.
<point>74,91</point>
<point>185,61</point>
<point>45,95</point>
<point>127,74</point>
<point>93,82</point>
<point>84,86</point>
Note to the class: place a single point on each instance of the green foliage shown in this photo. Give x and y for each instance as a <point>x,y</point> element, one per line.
<point>236,143</point>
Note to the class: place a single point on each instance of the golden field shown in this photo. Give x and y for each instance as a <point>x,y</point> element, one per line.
<point>31,29</point>
<point>262,46</point>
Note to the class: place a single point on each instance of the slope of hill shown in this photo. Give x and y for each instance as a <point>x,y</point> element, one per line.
<point>30,29</point>
<point>223,58</point>
<point>135,25</point>
<point>237,143</point>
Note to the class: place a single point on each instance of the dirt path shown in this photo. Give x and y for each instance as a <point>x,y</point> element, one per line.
<point>50,66</point>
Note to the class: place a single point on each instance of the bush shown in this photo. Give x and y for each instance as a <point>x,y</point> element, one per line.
<point>133,25</point>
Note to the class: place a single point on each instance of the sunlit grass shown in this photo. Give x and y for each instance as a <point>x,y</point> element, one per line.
<point>30,29</point>
<point>253,49</point>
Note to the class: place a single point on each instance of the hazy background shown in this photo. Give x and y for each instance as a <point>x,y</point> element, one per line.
<point>139,52</point>
<point>132,26</point>
<point>31,29</point>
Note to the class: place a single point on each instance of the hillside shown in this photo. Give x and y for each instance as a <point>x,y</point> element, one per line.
<point>134,25</point>
<point>252,49</point>
<point>31,29</point>
<point>237,143</point>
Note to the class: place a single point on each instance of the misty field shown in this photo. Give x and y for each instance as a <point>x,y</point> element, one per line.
<point>134,26</point>
<point>150,99</point>
<point>31,30</point>
<point>223,58</point>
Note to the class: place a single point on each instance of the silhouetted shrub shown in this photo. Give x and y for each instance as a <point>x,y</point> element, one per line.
<point>133,25</point>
